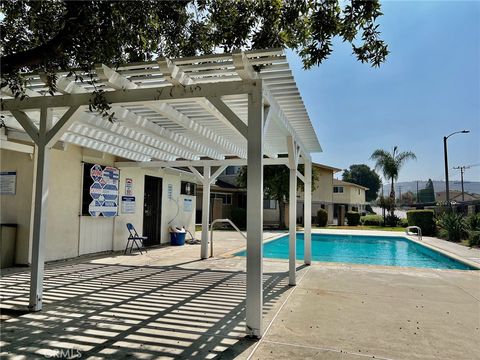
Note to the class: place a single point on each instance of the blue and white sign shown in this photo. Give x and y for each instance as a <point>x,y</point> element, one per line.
<point>104,191</point>
<point>187,205</point>
<point>8,182</point>
<point>128,204</point>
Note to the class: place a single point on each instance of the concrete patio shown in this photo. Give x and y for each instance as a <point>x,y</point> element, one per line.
<point>168,304</point>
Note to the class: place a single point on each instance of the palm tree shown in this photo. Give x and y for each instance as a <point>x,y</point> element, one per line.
<point>390,165</point>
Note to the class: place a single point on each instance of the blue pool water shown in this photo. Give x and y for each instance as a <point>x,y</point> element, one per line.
<point>360,249</point>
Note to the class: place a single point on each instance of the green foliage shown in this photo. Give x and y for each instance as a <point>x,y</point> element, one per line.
<point>353,218</point>
<point>427,195</point>
<point>424,219</point>
<point>403,223</point>
<point>276,180</point>
<point>473,238</point>
<point>408,198</point>
<point>390,165</point>
<point>52,36</point>
<point>362,175</point>
<point>322,217</point>
<point>385,202</point>
<point>369,209</point>
<point>473,221</point>
<point>371,220</point>
<point>392,220</point>
<point>239,217</point>
<point>454,226</point>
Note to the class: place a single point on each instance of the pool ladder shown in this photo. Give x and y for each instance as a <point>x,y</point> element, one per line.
<point>418,233</point>
<point>222,221</point>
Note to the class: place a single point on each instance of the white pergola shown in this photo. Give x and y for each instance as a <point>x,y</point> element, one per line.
<point>206,112</point>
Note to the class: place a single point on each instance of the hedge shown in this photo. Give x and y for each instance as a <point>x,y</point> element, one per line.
<point>322,217</point>
<point>474,238</point>
<point>372,220</point>
<point>424,219</point>
<point>353,218</point>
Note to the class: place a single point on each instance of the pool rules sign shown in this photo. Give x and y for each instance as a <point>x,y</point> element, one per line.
<point>100,190</point>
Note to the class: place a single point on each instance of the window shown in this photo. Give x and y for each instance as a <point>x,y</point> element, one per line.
<point>188,188</point>
<point>269,204</point>
<point>232,170</point>
<point>226,198</point>
<point>338,189</point>
<point>358,191</point>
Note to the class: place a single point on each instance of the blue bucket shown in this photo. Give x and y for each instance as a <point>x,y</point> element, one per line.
<point>177,238</point>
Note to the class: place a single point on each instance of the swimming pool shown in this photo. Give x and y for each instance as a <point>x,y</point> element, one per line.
<point>361,249</point>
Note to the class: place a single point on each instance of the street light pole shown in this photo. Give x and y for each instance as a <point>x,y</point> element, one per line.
<point>447,187</point>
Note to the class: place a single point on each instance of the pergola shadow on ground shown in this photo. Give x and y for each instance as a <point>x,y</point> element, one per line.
<point>106,311</point>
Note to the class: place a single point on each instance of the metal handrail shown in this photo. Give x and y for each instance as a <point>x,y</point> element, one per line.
<point>219,221</point>
<point>418,233</point>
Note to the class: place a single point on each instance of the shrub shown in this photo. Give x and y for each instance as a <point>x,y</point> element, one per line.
<point>454,226</point>
<point>371,220</point>
<point>424,219</point>
<point>392,220</point>
<point>474,238</point>
<point>403,223</point>
<point>322,217</point>
<point>353,218</point>
<point>473,221</point>
<point>239,217</point>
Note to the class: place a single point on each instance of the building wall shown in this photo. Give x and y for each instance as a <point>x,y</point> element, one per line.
<point>63,221</point>
<point>16,208</point>
<point>173,213</point>
<point>351,196</point>
<point>68,233</point>
<point>324,189</point>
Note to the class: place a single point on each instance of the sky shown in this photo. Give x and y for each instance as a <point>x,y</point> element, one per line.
<point>428,88</point>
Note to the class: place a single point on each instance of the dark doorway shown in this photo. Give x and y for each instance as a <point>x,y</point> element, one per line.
<point>152,210</point>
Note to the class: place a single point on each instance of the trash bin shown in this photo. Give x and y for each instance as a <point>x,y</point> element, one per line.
<point>177,236</point>
<point>8,235</point>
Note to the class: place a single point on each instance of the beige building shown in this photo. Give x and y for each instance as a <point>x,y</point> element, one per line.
<point>352,196</point>
<point>322,196</point>
<point>71,232</point>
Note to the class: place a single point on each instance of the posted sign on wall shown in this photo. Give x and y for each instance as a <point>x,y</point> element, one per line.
<point>100,190</point>
<point>8,181</point>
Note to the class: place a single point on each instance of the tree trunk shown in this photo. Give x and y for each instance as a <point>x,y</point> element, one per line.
<point>392,199</point>
<point>281,214</point>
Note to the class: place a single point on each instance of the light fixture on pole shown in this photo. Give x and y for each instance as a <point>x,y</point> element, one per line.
<point>447,190</point>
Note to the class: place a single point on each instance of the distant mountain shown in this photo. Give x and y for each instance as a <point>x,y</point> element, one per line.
<point>469,186</point>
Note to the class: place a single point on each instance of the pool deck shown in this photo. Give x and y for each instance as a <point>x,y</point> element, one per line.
<point>168,304</point>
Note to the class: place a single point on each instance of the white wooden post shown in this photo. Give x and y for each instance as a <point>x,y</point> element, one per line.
<point>292,227</point>
<point>292,209</point>
<point>40,213</point>
<point>308,212</point>
<point>205,212</point>
<point>255,213</point>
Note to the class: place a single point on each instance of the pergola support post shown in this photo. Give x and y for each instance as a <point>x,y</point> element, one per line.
<point>40,212</point>
<point>254,303</point>
<point>292,228</point>
<point>307,213</point>
<point>293,153</point>
<point>205,212</point>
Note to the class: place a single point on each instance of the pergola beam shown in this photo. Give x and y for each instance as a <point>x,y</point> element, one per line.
<point>186,163</point>
<point>166,140</point>
<point>212,104</point>
<point>132,96</point>
<point>118,81</point>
